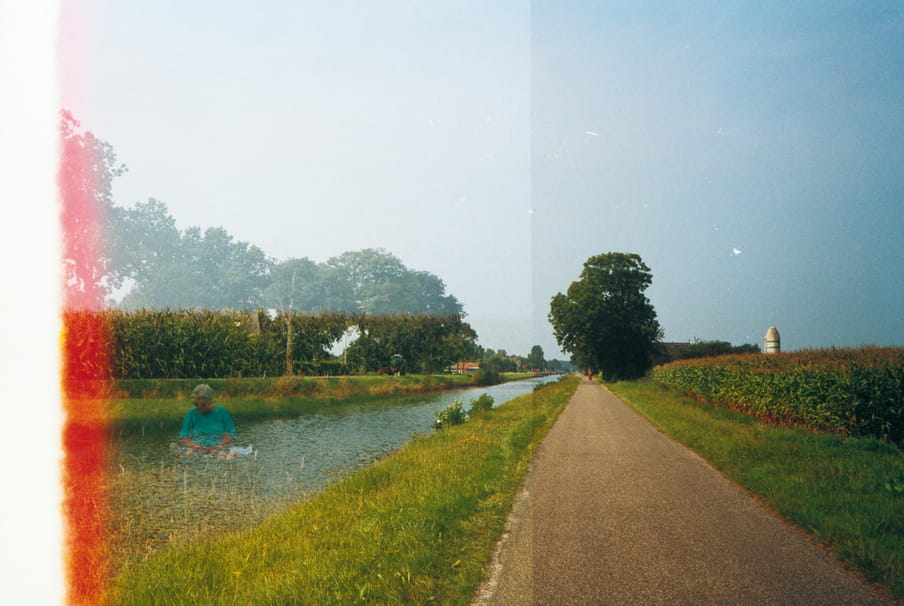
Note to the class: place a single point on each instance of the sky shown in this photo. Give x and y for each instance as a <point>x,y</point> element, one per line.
<point>750,152</point>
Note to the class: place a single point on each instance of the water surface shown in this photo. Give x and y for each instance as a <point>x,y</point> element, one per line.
<point>293,456</point>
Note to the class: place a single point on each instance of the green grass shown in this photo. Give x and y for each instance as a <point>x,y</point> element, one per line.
<point>417,527</point>
<point>847,493</point>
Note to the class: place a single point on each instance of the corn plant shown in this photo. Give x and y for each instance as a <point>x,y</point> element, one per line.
<point>848,391</point>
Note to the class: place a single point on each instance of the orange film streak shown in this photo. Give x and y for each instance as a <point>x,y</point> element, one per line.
<point>85,378</point>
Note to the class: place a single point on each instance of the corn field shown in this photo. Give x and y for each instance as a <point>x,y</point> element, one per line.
<point>173,344</point>
<point>857,392</point>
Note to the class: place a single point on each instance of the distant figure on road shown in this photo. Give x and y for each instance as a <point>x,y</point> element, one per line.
<point>206,428</point>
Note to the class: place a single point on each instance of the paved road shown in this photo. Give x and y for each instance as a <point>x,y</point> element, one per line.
<point>614,512</point>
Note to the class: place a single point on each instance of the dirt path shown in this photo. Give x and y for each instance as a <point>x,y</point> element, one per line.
<point>614,512</point>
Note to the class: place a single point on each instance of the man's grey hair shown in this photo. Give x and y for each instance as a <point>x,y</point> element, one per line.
<point>202,391</point>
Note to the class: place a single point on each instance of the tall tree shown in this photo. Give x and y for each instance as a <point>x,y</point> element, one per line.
<point>88,166</point>
<point>604,320</point>
<point>535,358</point>
<point>377,282</point>
<point>144,244</point>
<point>209,270</point>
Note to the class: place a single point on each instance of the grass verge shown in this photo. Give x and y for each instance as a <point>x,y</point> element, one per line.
<point>847,493</point>
<point>417,527</point>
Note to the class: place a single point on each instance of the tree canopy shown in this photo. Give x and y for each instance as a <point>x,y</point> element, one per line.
<point>88,166</point>
<point>604,320</point>
<point>535,358</point>
<point>162,266</point>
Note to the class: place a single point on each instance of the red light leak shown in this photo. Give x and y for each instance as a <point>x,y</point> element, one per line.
<point>85,374</point>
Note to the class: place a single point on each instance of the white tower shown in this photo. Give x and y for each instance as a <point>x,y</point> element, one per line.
<point>773,342</point>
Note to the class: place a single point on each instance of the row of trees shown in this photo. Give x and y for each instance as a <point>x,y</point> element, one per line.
<point>140,250</point>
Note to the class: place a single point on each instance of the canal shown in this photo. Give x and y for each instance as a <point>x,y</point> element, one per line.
<point>159,498</point>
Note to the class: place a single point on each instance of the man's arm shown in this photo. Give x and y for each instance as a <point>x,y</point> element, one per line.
<point>191,443</point>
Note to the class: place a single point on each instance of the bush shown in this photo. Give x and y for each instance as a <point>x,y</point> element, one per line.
<point>487,376</point>
<point>453,414</point>
<point>480,404</point>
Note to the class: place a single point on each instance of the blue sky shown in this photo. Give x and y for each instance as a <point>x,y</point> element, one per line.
<point>751,153</point>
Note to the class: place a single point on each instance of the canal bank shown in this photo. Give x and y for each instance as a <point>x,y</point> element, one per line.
<point>414,527</point>
<point>160,499</point>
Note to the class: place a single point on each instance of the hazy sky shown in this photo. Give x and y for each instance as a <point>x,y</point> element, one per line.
<point>751,153</point>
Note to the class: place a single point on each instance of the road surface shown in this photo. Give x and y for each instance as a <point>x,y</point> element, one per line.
<point>615,512</point>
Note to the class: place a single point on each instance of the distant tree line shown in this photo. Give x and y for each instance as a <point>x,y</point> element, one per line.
<point>143,253</point>
<point>501,361</point>
<point>709,349</point>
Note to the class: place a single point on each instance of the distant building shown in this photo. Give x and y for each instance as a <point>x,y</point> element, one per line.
<point>462,368</point>
<point>772,342</point>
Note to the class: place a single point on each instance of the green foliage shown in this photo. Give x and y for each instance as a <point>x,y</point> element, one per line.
<point>148,344</point>
<point>499,362</point>
<point>856,392</point>
<point>300,285</point>
<point>208,270</point>
<point>480,405</point>
<point>453,414</point>
<point>560,366</point>
<point>378,283</point>
<point>535,359</point>
<point>708,349</point>
<point>87,168</point>
<point>604,320</point>
<point>427,343</point>
<point>487,376</point>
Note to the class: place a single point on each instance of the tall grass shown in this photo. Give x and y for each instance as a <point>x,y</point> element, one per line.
<point>848,493</point>
<point>417,527</point>
<point>204,499</point>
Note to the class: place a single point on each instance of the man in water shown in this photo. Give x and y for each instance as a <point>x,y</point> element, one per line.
<point>206,429</point>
